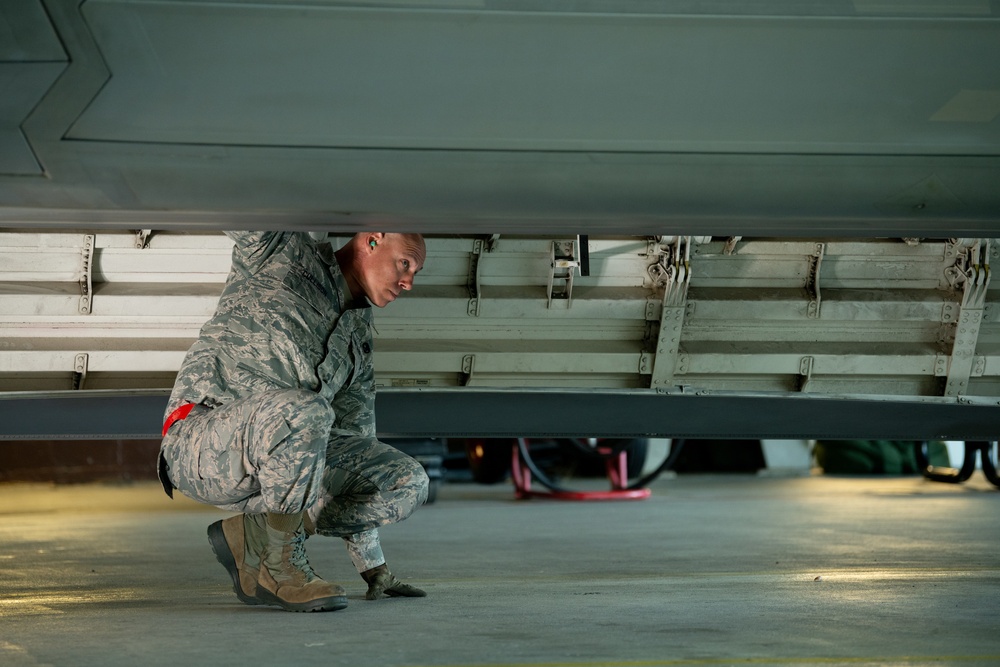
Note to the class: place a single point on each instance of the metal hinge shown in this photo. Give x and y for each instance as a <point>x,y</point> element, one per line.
<point>468,369</point>
<point>479,246</point>
<point>473,280</point>
<point>86,274</point>
<point>80,364</point>
<point>805,373</point>
<point>812,282</point>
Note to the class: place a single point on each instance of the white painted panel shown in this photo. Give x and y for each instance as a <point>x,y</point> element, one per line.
<point>894,337</point>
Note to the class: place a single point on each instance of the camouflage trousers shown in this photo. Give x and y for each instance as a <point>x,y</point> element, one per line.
<point>278,451</point>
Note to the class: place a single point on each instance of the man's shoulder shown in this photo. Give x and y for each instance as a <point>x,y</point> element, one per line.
<point>273,238</point>
<point>256,249</point>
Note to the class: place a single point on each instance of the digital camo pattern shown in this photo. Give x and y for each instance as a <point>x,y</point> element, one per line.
<point>366,484</point>
<point>365,549</point>
<point>262,453</point>
<point>283,336</point>
<point>283,322</point>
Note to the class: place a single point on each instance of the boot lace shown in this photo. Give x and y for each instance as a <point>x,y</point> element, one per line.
<point>298,558</point>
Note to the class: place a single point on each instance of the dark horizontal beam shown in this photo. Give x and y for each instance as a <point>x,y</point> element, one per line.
<point>565,413</point>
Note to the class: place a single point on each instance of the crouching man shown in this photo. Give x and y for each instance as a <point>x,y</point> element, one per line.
<point>272,416</point>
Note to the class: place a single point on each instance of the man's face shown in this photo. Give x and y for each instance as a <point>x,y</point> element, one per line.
<point>391,265</point>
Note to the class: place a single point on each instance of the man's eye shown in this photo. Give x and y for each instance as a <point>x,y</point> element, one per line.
<point>406,264</point>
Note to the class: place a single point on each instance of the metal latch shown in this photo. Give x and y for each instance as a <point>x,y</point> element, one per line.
<point>564,262</point>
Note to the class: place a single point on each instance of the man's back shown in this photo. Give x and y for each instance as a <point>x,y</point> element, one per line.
<point>273,325</point>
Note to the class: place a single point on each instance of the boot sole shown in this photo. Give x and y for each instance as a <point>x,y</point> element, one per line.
<point>320,604</point>
<point>223,554</point>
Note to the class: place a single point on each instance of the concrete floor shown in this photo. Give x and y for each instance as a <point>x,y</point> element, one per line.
<point>712,570</point>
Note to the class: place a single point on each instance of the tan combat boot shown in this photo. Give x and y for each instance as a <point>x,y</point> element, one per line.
<point>285,577</point>
<point>238,543</point>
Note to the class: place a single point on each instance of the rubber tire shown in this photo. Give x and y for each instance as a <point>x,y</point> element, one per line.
<point>489,459</point>
<point>432,491</point>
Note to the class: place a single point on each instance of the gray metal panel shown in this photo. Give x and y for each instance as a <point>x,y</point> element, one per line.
<point>31,58</point>
<point>467,412</point>
<point>702,415</point>
<point>23,85</point>
<point>920,97</point>
<point>26,35</point>
<point>327,76</point>
<point>15,154</point>
<point>523,193</point>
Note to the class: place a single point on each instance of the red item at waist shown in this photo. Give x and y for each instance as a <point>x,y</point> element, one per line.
<point>177,415</point>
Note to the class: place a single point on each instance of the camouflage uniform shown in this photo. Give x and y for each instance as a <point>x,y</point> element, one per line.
<point>282,382</point>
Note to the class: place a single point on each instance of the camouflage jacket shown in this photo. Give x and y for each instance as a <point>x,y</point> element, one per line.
<point>284,321</point>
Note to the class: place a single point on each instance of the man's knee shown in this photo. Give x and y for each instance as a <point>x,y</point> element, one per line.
<point>423,481</point>
<point>414,479</point>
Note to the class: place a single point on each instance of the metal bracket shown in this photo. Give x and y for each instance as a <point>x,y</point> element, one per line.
<point>80,370</point>
<point>812,282</point>
<point>730,246</point>
<point>956,254</point>
<point>645,363</point>
<point>805,373</point>
<point>672,272</point>
<point>86,274</point>
<point>941,366</point>
<point>972,272</point>
<point>468,368</point>
<point>478,245</point>
<point>948,312</point>
<point>667,346</point>
<point>683,362</point>
<point>142,238</point>
<point>564,262</point>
